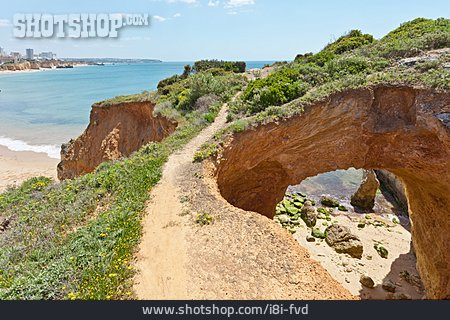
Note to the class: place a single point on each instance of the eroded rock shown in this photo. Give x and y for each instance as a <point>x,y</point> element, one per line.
<point>329,202</point>
<point>367,281</point>
<point>114,131</point>
<point>364,197</point>
<point>394,128</point>
<point>389,285</point>
<point>343,241</point>
<point>309,214</point>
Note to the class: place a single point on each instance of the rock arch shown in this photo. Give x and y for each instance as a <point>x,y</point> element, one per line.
<point>402,129</point>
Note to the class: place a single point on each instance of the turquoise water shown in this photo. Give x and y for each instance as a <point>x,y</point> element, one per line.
<point>41,110</point>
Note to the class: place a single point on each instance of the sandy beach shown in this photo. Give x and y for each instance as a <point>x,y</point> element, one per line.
<point>18,166</point>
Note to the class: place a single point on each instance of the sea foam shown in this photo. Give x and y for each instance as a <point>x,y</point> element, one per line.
<point>18,145</point>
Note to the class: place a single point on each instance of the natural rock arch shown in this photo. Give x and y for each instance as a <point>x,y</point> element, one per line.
<point>401,129</point>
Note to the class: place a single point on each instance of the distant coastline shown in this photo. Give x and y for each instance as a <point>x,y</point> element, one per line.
<point>113,60</point>
<point>32,66</point>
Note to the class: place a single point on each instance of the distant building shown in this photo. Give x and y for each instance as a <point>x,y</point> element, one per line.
<point>16,56</point>
<point>47,55</point>
<point>29,54</point>
<point>2,52</point>
<point>5,58</point>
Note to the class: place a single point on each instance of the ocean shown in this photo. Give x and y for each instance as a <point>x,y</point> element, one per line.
<point>41,110</point>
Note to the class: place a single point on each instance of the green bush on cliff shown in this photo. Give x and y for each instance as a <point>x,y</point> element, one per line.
<point>232,66</point>
<point>277,89</point>
<point>184,94</point>
<point>352,40</point>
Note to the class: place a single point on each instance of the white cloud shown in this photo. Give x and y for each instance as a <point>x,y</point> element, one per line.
<point>159,18</point>
<point>238,3</point>
<point>177,15</point>
<point>4,23</point>
<point>212,3</point>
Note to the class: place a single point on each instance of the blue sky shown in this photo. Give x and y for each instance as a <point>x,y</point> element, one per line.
<point>187,30</point>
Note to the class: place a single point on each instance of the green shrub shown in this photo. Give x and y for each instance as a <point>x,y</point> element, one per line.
<point>352,40</point>
<point>276,89</point>
<point>233,66</point>
<point>347,65</point>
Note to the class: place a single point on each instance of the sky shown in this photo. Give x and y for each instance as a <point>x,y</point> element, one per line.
<point>188,30</point>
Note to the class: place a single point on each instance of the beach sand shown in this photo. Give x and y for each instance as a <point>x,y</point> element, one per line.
<point>18,166</point>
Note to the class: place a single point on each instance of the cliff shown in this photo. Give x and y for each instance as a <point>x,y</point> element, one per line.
<point>36,65</point>
<point>396,128</point>
<point>395,187</point>
<point>114,131</point>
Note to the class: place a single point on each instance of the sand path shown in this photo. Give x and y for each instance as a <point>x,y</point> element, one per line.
<point>163,250</point>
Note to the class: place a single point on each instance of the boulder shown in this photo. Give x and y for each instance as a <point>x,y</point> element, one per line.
<point>329,202</point>
<point>382,251</point>
<point>401,296</point>
<point>343,241</point>
<point>364,197</point>
<point>309,214</point>
<point>283,218</point>
<point>389,285</point>
<point>316,233</point>
<point>367,281</point>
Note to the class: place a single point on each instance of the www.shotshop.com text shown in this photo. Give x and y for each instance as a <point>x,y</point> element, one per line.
<point>268,309</point>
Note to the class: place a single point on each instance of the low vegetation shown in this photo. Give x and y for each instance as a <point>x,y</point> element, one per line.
<point>352,61</point>
<point>76,239</point>
<point>232,66</point>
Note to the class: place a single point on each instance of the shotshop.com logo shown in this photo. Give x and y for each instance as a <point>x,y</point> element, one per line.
<point>78,25</point>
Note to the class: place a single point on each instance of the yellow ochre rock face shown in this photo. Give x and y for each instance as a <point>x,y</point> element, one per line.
<point>401,129</point>
<point>114,131</point>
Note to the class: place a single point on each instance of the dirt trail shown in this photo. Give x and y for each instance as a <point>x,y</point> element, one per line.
<point>163,251</point>
<point>241,255</point>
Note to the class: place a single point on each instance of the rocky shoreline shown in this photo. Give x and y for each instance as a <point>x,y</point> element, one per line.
<point>39,65</point>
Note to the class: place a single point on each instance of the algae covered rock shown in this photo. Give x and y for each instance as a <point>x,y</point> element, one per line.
<point>283,218</point>
<point>316,233</point>
<point>329,202</point>
<point>343,241</point>
<point>382,251</point>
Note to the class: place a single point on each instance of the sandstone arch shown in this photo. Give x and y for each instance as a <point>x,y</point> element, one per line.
<point>401,129</point>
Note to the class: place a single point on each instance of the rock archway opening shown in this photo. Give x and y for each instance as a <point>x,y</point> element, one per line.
<point>377,240</point>
<point>399,129</point>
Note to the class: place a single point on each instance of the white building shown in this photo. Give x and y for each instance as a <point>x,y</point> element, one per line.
<point>16,56</point>
<point>47,55</point>
<point>2,52</point>
<point>29,54</point>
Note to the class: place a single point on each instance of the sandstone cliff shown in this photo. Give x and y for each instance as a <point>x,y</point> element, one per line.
<point>395,187</point>
<point>36,65</point>
<point>114,131</point>
<point>397,128</point>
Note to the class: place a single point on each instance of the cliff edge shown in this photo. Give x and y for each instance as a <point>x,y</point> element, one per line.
<point>114,131</point>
